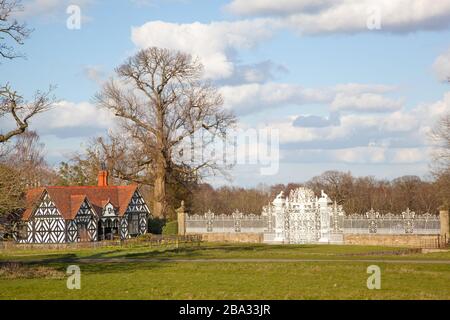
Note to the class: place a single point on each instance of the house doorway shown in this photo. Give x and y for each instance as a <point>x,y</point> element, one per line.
<point>83,233</point>
<point>108,229</point>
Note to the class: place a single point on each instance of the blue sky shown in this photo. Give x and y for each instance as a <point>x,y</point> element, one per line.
<point>290,65</point>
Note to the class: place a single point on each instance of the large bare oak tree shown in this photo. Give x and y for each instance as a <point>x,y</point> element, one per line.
<point>162,101</point>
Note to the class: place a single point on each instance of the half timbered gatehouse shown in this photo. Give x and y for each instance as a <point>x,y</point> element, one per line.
<point>86,213</point>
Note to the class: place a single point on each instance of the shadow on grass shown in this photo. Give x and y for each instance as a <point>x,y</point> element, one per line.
<point>87,265</point>
<point>213,251</point>
<point>204,251</point>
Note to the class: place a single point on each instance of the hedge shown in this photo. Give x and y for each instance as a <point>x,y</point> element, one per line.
<point>171,228</point>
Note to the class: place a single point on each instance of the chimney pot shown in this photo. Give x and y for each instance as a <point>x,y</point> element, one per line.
<point>103,178</point>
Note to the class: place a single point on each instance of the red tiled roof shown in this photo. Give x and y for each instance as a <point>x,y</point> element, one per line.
<point>32,198</point>
<point>69,199</point>
<point>75,203</point>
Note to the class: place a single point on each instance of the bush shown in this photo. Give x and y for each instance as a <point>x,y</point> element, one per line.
<point>171,228</point>
<point>155,225</point>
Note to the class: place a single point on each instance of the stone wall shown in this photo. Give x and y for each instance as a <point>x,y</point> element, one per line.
<point>233,237</point>
<point>416,241</point>
<point>401,240</point>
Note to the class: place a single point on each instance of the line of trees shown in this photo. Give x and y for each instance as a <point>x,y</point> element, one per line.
<point>355,194</point>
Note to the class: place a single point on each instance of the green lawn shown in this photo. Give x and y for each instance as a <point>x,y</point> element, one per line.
<point>41,275</point>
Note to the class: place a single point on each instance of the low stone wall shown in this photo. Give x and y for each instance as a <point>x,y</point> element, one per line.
<point>9,245</point>
<point>233,237</point>
<point>151,240</point>
<point>416,240</point>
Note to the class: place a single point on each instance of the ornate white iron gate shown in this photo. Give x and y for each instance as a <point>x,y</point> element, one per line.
<point>300,218</point>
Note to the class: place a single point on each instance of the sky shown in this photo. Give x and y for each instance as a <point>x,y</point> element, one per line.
<point>350,85</point>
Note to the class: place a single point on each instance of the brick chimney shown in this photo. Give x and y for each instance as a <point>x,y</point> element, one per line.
<point>103,176</point>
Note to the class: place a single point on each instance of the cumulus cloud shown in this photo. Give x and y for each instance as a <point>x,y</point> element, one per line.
<point>280,7</point>
<point>260,72</point>
<point>441,67</point>
<point>69,119</point>
<point>353,131</point>
<point>357,88</point>
<point>94,73</point>
<point>369,155</point>
<point>400,137</point>
<point>410,155</point>
<point>255,97</point>
<point>365,102</point>
<point>361,155</point>
<point>214,43</point>
<point>349,16</point>
<point>312,121</point>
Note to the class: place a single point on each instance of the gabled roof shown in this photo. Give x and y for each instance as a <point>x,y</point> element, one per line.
<point>32,199</point>
<point>68,200</point>
<point>75,203</point>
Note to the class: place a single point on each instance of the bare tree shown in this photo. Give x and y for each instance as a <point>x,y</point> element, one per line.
<point>11,190</point>
<point>441,165</point>
<point>12,104</point>
<point>337,184</point>
<point>27,157</point>
<point>441,135</point>
<point>20,111</point>
<point>11,31</point>
<point>162,103</point>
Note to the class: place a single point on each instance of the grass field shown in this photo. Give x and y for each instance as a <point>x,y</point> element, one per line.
<point>220,271</point>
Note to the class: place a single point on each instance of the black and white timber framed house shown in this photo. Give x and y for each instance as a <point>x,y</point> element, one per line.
<point>83,214</point>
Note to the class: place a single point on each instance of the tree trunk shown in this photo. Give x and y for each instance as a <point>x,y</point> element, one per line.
<point>160,202</point>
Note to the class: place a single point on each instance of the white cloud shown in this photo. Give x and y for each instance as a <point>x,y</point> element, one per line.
<point>400,121</point>
<point>270,7</point>
<point>214,43</point>
<point>94,73</point>
<point>411,155</point>
<point>360,155</point>
<point>356,88</point>
<point>313,121</point>
<point>365,102</point>
<point>257,73</point>
<point>348,16</point>
<point>250,98</point>
<point>398,137</point>
<point>69,119</point>
<point>368,155</point>
<point>441,67</point>
<point>256,97</point>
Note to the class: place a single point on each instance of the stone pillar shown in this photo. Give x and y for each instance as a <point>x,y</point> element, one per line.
<point>324,211</point>
<point>281,234</point>
<point>181,219</point>
<point>445,224</point>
